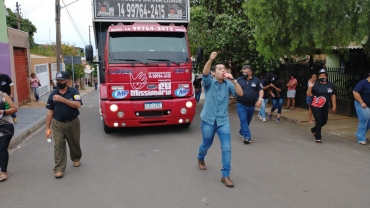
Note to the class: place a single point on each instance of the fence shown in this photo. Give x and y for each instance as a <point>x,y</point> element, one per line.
<point>344,79</point>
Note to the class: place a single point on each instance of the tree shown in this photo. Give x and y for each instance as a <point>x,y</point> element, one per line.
<point>285,27</point>
<point>26,26</point>
<point>78,70</point>
<point>223,26</point>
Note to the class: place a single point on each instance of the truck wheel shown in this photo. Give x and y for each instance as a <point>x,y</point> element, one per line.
<point>107,129</point>
<point>187,125</point>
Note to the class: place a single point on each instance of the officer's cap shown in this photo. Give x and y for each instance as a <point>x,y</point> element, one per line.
<point>62,75</point>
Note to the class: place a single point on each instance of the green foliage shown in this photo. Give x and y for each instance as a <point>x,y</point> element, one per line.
<point>286,27</point>
<point>25,24</point>
<point>222,26</point>
<point>78,70</point>
<point>50,50</point>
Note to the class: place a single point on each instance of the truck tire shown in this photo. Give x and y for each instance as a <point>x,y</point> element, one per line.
<point>107,129</point>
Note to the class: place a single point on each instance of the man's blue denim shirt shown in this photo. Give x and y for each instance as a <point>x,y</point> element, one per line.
<point>216,101</point>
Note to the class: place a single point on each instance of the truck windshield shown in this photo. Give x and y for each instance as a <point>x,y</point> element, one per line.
<point>148,47</point>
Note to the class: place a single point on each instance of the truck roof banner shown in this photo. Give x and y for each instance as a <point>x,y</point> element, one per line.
<point>141,9</point>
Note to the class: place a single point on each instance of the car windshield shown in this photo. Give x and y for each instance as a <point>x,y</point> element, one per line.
<point>136,47</point>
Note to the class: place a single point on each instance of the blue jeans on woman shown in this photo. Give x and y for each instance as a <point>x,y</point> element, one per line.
<point>277,103</point>
<point>34,89</point>
<point>262,111</point>
<point>223,132</point>
<point>363,115</point>
<point>245,114</point>
<point>197,94</point>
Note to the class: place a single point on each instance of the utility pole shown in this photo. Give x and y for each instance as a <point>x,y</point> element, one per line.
<point>58,38</point>
<point>18,18</point>
<point>89,36</point>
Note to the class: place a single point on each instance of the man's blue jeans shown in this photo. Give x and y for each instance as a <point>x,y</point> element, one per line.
<point>245,114</point>
<point>223,132</point>
<point>363,115</point>
<point>262,112</point>
<point>197,94</point>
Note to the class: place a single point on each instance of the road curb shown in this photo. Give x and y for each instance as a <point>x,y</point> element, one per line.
<point>20,138</point>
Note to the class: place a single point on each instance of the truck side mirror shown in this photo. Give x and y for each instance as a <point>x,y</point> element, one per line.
<point>89,53</point>
<point>199,55</point>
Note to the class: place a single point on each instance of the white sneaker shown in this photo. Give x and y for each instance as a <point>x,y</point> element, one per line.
<point>259,116</point>
<point>264,120</point>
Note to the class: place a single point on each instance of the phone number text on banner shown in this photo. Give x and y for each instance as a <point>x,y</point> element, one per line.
<point>141,9</point>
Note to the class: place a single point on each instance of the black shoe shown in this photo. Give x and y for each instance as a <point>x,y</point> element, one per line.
<point>318,140</point>
<point>313,133</point>
<point>247,141</point>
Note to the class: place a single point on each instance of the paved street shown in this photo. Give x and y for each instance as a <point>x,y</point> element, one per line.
<point>157,168</point>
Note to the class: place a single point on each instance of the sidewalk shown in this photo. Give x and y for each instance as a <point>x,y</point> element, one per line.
<point>31,116</point>
<point>339,125</point>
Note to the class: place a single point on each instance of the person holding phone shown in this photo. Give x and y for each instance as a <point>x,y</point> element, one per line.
<point>35,83</point>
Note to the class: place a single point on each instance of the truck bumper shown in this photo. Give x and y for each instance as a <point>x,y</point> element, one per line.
<point>173,112</point>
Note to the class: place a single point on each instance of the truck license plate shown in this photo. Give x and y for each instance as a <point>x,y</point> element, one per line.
<point>153,105</point>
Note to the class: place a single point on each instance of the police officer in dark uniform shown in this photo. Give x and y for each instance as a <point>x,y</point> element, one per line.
<point>252,96</point>
<point>62,116</point>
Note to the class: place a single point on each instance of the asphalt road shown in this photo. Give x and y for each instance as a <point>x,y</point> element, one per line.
<point>157,168</point>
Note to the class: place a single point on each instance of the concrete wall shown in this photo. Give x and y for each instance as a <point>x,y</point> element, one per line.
<point>18,39</point>
<point>333,60</point>
<point>4,43</point>
<point>3,33</point>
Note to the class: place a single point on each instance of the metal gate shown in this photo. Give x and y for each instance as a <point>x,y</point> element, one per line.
<point>42,72</point>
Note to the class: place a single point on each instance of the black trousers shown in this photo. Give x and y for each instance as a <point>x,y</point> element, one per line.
<point>4,154</point>
<point>321,118</point>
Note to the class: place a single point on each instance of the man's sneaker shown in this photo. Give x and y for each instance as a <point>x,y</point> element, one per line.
<point>318,140</point>
<point>278,120</point>
<point>260,117</point>
<point>264,120</point>
<point>270,116</point>
<point>247,141</point>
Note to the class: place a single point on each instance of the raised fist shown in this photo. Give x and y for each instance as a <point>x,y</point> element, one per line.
<point>213,56</point>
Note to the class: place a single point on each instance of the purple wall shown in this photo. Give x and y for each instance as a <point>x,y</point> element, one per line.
<point>5,67</point>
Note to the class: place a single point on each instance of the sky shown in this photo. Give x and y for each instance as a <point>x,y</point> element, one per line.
<point>42,14</point>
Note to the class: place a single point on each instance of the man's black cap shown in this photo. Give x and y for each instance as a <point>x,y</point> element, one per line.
<point>323,71</point>
<point>62,75</point>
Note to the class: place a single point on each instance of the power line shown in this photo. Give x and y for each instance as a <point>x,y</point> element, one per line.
<point>28,4</point>
<point>70,17</point>
<point>33,9</point>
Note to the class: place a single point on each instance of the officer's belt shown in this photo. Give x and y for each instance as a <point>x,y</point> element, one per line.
<point>67,121</point>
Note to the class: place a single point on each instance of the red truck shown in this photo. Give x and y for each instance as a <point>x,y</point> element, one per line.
<point>145,63</point>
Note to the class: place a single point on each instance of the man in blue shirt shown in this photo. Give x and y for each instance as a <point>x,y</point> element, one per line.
<point>215,117</point>
<point>245,104</point>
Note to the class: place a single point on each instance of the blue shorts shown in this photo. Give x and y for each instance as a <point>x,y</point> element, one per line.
<point>308,100</point>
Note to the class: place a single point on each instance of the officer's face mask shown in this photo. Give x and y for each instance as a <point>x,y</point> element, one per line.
<point>61,85</point>
<point>322,79</point>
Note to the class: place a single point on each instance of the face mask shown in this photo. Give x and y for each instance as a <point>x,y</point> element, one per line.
<point>322,79</point>
<point>61,86</point>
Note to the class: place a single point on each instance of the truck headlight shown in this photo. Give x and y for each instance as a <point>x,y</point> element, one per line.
<point>113,107</point>
<point>189,104</point>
